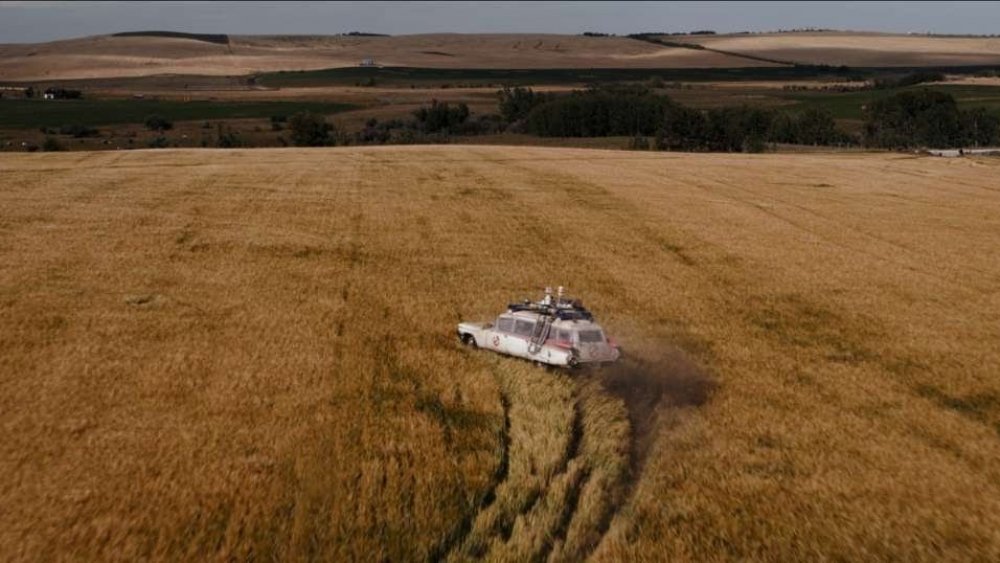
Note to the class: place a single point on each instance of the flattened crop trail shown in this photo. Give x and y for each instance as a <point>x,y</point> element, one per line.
<point>567,447</point>
<point>442,551</point>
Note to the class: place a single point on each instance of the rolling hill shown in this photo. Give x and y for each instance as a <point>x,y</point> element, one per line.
<point>161,53</point>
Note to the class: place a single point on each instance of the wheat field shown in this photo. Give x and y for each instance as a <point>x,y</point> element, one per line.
<point>246,354</point>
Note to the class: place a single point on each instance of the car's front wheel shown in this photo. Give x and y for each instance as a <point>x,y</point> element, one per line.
<point>469,340</point>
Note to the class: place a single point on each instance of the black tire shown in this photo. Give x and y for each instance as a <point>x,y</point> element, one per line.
<point>469,340</point>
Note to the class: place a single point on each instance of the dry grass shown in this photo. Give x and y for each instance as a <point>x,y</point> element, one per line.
<point>108,57</point>
<point>236,353</point>
<point>859,48</point>
<point>105,56</point>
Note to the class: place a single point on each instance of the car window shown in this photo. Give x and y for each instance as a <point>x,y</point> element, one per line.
<point>588,336</point>
<point>524,327</point>
<point>561,335</point>
<point>505,324</point>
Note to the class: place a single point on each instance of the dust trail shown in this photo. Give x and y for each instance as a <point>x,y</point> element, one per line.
<point>646,381</point>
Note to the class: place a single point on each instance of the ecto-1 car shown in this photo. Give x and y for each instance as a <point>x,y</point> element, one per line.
<point>554,331</point>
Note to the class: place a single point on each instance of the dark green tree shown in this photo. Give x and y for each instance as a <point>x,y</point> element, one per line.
<point>310,130</point>
<point>979,128</point>
<point>441,117</point>
<point>914,118</point>
<point>683,129</point>
<point>784,129</point>
<point>158,123</point>
<point>52,144</point>
<point>816,127</point>
<point>516,103</point>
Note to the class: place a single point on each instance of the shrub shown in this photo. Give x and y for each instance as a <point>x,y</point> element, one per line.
<point>516,103</point>
<point>52,144</point>
<point>754,143</point>
<point>158,123</point>
<point>310,130</point>
<point>229,140</point>
<point>910,79</point>
<point>78,131</point>
<point>639,143</point>
<point>441,117</point>
<point>158,142</point>
<point>683,129</point>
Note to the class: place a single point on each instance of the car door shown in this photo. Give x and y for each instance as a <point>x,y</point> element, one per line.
<point>501,333</point>
<point>517,343</point>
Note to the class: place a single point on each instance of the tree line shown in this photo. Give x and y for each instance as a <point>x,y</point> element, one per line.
<point>907,119</point>
<point>637,111</point>
<point>911,118</point>
<point>927,118</point>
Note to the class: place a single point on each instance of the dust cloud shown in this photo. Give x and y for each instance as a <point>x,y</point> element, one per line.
<point>648,381</point>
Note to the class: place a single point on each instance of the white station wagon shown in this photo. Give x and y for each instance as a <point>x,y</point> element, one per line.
<point>553,331</point>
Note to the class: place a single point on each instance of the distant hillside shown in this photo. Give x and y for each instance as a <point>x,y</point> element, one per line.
<point>147,53</point>
<point>856,48</point>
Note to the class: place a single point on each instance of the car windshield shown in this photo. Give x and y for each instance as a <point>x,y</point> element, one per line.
<point>589,336</point>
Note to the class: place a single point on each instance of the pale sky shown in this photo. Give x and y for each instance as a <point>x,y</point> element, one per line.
<point>29,22</point>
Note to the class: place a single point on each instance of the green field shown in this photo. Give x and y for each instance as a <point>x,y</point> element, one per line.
<point>847,105</point>
<point>28,114</point>
<point>423,76</point>
<point>348,76</point>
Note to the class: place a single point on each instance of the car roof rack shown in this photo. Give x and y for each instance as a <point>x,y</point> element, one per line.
<point>559,307</point>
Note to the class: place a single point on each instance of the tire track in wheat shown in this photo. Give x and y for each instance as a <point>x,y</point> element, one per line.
<point>539,412</point>
<point>442,551</point>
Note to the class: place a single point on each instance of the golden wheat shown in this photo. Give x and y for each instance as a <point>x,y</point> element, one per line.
<point>251,354</point>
